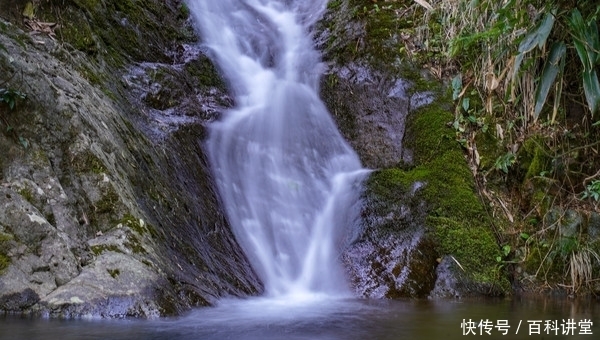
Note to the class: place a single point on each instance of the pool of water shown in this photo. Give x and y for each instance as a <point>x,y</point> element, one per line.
<point>323,318</point>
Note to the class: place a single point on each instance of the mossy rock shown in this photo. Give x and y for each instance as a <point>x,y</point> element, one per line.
<point>533,158</point>
<point>4,263</point>
<point>120,30</point>
<point>378,38</point>
<point>101,248</point>
<point>86,162</point>
<point>490,148</point>
<point>456,216</point>
<point>5,239</point>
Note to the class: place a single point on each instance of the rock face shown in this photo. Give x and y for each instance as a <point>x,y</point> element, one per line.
<point>106,201</point>
<point>402,248</point>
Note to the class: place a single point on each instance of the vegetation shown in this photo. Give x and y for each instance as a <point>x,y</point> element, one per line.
<point>523,75</point>
<point>9,98</point>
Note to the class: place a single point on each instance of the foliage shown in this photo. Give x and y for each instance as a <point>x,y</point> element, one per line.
<point>592,190</point>
<point>9,97</point>
<point>523,75</point>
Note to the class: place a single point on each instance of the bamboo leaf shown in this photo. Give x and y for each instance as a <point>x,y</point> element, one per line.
<point>581,38</point>
<point>538,36</point>
<point>551,69</point>
<point>591,87</point>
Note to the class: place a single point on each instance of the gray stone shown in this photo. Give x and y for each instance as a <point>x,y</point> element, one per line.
<point>110,209</point>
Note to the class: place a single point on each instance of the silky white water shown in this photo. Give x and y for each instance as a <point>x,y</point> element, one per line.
<point>289,182</point>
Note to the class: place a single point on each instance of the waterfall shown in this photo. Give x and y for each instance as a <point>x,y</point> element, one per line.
<point>289,181</point>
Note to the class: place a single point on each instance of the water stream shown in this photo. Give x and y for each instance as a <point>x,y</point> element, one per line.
<point>287,178</point>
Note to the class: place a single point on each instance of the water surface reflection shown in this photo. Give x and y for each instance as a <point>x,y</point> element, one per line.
<point>322,318</point>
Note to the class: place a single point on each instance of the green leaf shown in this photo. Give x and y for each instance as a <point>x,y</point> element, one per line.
<point>580,33</point>
<point>551,69</point>
<point>24,142</point>
<point>538,36</point>
<point>465,103</point>
<point>586,39</point>
<point>524,236</point>
<point>456,86</point>
<point>591,87</point>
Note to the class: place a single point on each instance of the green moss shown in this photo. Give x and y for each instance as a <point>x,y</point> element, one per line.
<point>108,202</point>
<point>27,194</point>
<point>4,263</point>
<point>138,225</point>
<point>489,147</point>
<point>114,273</point>
<point>334,4</point>
<point>77,31</point>
<point>134,244</point>
<point>533,158</point>
<point>86,162</point>
<point>456,217</point>
<point>205,73</point>
<point>101,248</point>
<point>471,244</point>
<point>134,224</point>
<point>184,11</point>
<point>380,45</point>
<point>5,238</point>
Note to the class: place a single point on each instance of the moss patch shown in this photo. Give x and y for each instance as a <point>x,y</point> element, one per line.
<point>380,38</point>
<point>86,162</point>
<point>27,194</point>
<point>533,159</point>
<point>108,202</point>
<point>4,245</point>
<point>101,248</point>
<point>456,216</point>
<point>134,244</point>
<point>4,263</point>
<point>114,273</point>
<point>137,225</point>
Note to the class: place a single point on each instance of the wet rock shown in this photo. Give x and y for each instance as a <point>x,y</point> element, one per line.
<point>106,203</point>
<point>571,224</point>
<point>16,302</point>
<point>594,225</point>
<point>114,285</point>
<point>399,265</point>
<point>395,118</point>
<point>373,123</point>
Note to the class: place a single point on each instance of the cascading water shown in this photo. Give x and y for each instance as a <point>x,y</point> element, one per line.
<point>289,181</point>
